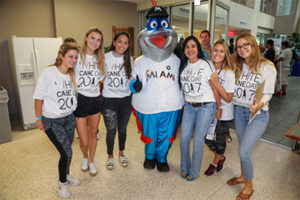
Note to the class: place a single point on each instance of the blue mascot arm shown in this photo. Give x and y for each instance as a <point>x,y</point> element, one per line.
<point>135,85</point>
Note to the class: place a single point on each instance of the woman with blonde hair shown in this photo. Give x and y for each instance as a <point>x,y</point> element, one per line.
<point>252,70</point>
<point>89,71</point>
<point>55,101</point>
<point>223,79</point>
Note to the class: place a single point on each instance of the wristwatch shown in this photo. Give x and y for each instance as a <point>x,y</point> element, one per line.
<point>220,108</point>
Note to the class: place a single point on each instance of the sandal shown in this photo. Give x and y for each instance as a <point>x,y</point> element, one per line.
<point>189,177</point>
<point>183,175</point>
<point>242,196</point>
<point>234,181</point>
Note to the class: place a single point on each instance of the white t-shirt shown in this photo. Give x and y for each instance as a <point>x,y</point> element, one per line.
<point>277,51</point>
<point>287,55</point>
<point>116,83</point>
<point>194,82</point>
<point>57,91</point>
<point>160,92</point>
<point>245,88</point>
<point>227,80</point>
<point>88,76</point>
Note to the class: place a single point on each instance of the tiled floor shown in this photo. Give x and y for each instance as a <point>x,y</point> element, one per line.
<point>283,114</point>
<point>28,170</point>
<point>28,165</point>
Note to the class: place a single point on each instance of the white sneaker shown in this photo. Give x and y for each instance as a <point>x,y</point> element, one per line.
<point>93,169</point>
<point>72,180</point>
<point>85,164</point>
<point>63,189</point>
<point>123,161</point>
<point>110,163</point>
<point>98,136</point>
<point>77,136</point>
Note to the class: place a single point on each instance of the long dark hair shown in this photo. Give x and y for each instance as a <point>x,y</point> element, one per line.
<point>184,59</point>
<point>126,55</point>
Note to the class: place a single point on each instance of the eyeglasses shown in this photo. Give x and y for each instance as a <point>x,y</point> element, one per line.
<point>245,46</point>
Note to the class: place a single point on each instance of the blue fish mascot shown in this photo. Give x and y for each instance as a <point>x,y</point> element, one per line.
<point>157,100</point>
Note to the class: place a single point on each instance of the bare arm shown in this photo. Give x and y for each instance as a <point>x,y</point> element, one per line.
<point>215,80</point>
<point>38,113</point>
<point>218,100</point>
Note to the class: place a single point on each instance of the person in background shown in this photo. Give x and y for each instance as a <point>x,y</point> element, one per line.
<point>200,105</point>
<point>223,80</point>
<point>205,43</point>
<point>117,95</point>
<point>251,70</point>
<point>270,53</point>
<point>178,51</point>
<point>71,40</point>
<point>286,57</point>
<point>231,45</point>
<point>277,52</point>
<point>89,71</point>
<point>55,101</point>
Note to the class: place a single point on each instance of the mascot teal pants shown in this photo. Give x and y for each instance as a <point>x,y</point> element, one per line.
<point>158,132</point>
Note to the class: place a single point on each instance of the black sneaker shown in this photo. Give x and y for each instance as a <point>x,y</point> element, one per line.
<point>162,167</point>
<point>149,164</point>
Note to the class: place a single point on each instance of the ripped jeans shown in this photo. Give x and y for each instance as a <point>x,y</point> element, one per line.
<point>116,114</point>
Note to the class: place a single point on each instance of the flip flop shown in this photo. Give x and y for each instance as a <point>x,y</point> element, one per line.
<point>242,196</point>
<point>189,179</point>
<point>234,181</point>
<point>183,175</point>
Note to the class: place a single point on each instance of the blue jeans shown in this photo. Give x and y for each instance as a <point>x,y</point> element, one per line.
<point>198,118</point>
<point>249,135</point>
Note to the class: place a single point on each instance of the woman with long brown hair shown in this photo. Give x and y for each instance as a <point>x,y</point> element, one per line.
<point>252,70</point>
<point>117,95</point>
<point>55,101</point>
<point>223,80</point>
<point>89,71</point>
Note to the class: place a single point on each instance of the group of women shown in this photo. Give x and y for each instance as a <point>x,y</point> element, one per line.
<point>68,95</point>
<point>233,79</point>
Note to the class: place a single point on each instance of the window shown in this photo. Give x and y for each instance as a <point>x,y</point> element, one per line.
<point>265,6</point>
<point>180,20</point>
<point>249,3</point>
<point>200,19</point>
<point>261,38</point>
<point>284,7</point>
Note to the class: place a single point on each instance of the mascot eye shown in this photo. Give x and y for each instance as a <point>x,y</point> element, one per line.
<point>164,23</point>
<point>153,24</point>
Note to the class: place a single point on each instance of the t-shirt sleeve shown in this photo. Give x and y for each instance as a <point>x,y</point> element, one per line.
<point>101,77</point>
<point>41,87</point>
<point>136,68</point>
<point>283,54</point>
<point>209,69</point>
<point>229,81</point>
<point>270,78</point>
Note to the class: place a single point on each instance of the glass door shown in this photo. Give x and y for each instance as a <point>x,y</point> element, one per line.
<point>219,21</point>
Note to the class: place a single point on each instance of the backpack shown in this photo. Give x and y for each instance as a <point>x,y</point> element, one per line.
<point>295,56</point>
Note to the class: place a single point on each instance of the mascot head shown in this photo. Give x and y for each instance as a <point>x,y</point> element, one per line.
<point>158,39</point>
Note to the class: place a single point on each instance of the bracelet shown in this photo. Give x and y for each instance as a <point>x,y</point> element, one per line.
<point>39,118</point>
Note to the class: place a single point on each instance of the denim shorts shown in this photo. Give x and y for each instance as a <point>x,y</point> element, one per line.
<point>88,106</point>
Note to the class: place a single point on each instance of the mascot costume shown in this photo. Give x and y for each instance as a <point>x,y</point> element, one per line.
<point>157,100</point>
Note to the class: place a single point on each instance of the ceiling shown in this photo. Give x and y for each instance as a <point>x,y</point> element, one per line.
<point>135,1</point>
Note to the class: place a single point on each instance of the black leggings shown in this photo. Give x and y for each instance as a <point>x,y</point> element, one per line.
<point>219,145</point>
<point>61,133</point>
